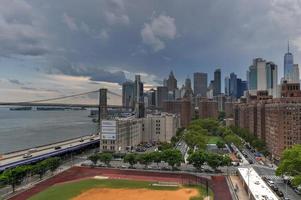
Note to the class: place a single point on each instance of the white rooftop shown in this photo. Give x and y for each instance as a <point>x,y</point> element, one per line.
<point>258,188</point>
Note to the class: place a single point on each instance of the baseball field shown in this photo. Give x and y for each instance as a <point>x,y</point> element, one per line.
<point>120,189</point>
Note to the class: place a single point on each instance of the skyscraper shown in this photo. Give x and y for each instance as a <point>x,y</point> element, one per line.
<point>171,82</point>
<point>272,78</point>
<point>188,88</point>
<point>128,94</point>
<point>233,85</point>
<point>241,87</point>
<point>217,82</point>
<point>162,95</point>
<point>227,86</point>
<point>262,75</point>
<point>296,75</point>
<point>200,84</point>
<point>288,64</point>
<point>138,92</point>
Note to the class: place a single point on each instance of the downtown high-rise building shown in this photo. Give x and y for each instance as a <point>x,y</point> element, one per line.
<point>288,65</point>
<point>200,84</point>
<point>171,82</point>
<point>162,95</point>
<point>262,75</point>
<point>128,94</point>
<point>217,82</point>
<point>227,86</point>
<point>233,85</point>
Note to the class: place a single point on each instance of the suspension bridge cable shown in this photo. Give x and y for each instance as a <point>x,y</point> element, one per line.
<point>58,98</point>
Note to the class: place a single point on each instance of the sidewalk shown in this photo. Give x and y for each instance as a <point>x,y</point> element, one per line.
<point>241,192</point>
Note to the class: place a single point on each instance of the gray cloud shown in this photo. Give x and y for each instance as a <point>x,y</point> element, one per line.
<point>15,81</point>
<point>150,37</point>
<point>94,73</point>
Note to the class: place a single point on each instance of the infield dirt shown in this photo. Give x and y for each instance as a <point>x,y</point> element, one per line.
<point>137,194</point>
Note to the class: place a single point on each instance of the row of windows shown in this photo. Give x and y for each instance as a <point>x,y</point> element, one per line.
<point>112,148</point>
<point>108,141</point>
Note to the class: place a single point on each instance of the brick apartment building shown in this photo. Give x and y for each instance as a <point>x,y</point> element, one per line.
<point>276,121</point>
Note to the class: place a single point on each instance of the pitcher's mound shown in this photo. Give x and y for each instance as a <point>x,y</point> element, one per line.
<point>137,194</point>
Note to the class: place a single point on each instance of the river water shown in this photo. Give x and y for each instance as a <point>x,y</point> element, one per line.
<point>26,129</point>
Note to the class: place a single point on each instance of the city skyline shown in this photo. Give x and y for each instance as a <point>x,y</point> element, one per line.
<point>106,48</point>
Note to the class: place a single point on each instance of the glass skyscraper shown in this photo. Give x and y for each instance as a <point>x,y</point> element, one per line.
<point>288,65</point>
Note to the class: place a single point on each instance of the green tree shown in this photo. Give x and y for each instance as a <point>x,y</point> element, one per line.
<point>225,160</point>
<point>173,157</point>
<point>197,159</point>
<point>145,159</point>
<point>165,145</point>
<point>156,157</point>
<point>221,116</point>
<point>214,160</point>
<point>194,138</point>
<point>94,158</point>
<point>220,144</point>
<point>290,164</point>
<point>105,158</point>
<point>41,168</point>
<point>15,176</point>
<point>131,158</point>
<point>232,138</point>
<point>53,163</point>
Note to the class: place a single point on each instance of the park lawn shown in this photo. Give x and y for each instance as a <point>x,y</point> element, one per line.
<point>73,189</point>
<point>214,139</point>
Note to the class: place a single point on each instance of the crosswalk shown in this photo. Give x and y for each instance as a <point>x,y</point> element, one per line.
<point>273,177</point>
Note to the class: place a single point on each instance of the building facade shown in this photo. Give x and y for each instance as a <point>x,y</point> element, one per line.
<point>217,82</point>
<point>208,108</point>
<point>200,82</point>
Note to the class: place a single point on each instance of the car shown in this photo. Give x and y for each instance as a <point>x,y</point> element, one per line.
<point>27,155</point>
<point>57,147</point>
<point>32,150</point>
<point>81,140</point>
<point>279,193</point>
<point>297,191</point>
<point>91,139</point>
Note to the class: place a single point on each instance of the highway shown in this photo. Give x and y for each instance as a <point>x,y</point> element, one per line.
<point>16,158</point>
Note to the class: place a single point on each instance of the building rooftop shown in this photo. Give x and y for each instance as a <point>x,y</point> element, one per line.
<point>258,188</point>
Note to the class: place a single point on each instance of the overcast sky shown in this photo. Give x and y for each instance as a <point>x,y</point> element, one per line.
<point>49,48</point>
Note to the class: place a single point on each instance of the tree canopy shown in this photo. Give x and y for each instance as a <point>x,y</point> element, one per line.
<point>290,164</point>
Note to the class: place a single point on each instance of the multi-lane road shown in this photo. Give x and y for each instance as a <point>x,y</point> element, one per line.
<point>19,158</point>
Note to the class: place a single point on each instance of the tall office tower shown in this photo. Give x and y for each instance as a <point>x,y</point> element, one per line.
<point>217,82</point>
<point>128,94</point>
<point>200,84</point>
<point>233,85</point>
<point>241,87</point>
<point>138,92</point>
<point>296,76</point>
<point>288,65</point>
<point>227,86</point>
<point>152,97</point>
<point>171,82</point>
<point>252,78</point>
<point>272,78</point>
<point>162,95</point>
<point>188,88</point>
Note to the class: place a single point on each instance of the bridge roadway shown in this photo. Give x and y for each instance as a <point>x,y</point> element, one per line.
<point>16,158</point>
<point>58,105</point>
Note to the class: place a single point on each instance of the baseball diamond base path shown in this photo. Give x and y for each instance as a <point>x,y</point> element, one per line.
<point>136,194</point>
<point>218,184</point>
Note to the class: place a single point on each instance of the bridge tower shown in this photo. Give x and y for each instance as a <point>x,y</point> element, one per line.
<point>103,105</point>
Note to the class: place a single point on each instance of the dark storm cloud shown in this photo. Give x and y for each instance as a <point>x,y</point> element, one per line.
<point>94,73</point>
<point>15,81</point>
<point>149,36</point>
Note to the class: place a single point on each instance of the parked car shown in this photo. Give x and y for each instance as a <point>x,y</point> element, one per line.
<point>279,193</point>
<point>57,147</point>
<point>297,191</point>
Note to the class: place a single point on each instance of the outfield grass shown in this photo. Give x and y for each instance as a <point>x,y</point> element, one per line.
<point>73,189</point>
<point>214,139</point>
